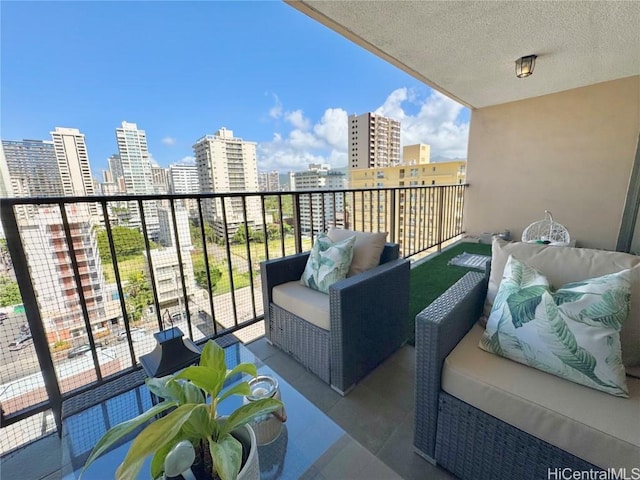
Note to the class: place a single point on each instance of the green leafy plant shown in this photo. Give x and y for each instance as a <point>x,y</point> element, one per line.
<point>193,396</point>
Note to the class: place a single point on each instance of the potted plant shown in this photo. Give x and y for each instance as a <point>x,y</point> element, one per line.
<point>192,396</point>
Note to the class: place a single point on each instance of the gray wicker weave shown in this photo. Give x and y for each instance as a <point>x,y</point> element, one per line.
<point>368,318</point>
<point>457,436</point>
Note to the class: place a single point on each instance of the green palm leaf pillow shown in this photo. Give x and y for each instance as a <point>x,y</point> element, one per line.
<point>328,262</point>
<point>573,333</point>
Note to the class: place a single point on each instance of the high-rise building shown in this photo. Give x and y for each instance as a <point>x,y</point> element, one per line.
<point>227,164</point>
<point>5,178</point>
<point>183,179</point>
<point>269,181</point>
<point>160,177</point>
<point>167,236</point>
<point>374,141</point>
<point>138,178</point>
<point>58,298</point>
<point>117,174</point>
<point>73,162</point>
<point>73,165</point>
<point>416,209</point>
<point>33,168</point>
<point>134,159</point>
<point>318,211</point>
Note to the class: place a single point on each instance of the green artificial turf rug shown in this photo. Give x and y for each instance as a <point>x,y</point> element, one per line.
<point>434,276</point>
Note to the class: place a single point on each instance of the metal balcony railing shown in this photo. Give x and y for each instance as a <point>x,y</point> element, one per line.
<point>200,273</point>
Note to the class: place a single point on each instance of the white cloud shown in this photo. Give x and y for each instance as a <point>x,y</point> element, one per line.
<point>333,128</point>
<point>169,141</point>
<point>276,110</point>
<point>434,123</point>
<point>432,120</point>
<point>298,120</point>
<point>188,159</point>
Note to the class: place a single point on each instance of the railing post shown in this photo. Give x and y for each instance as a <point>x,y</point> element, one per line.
<point>440,216</point>
<point>25,283</point>
<point>297,232</point>
<point>393,216</point>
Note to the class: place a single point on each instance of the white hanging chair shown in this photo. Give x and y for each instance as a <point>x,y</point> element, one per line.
<point>546,231</point>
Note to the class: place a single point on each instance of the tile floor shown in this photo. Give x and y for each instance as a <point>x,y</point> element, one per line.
<point>378,413</point>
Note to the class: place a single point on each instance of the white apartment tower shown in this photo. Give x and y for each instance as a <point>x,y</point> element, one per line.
<point>227,164</point>
<point>374,141</point>
<point>167,234</point>
<point>138,177</point>
<point>73,164</point>
<point>134,159</point>
<point>269,181</point>
<point>318,211</point>
<point>183,179</point>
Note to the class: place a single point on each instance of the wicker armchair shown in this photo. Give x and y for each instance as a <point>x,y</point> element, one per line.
<point>457,436</point>
<point>368,319</point>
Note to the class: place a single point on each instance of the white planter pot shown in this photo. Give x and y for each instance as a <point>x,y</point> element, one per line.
<point>251,468</point>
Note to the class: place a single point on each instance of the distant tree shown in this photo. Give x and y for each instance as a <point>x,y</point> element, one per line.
<point>257,235</point>
<point>241,236</point>
<point>196,233</point>
<point>200,273</point>
<point>138,294</point>
<point>9,292</point>
<point>272,206</point>
<point>288,229</point>
<point>128,242</point>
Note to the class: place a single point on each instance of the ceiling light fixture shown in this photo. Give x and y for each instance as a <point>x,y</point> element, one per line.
<point>525,65</point>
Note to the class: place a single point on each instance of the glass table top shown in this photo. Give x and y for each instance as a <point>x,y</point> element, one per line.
<point>308,445</point>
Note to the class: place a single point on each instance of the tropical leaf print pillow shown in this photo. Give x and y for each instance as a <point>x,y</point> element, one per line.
<point>328,262</point>
<point>572,333</point>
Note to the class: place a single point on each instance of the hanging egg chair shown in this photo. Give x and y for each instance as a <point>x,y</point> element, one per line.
<point>546,231</point>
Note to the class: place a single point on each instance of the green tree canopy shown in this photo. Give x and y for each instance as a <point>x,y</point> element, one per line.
<point>128,243</point>
<point>138,294</point>
<point>200,273</point>
<point>241,236</point>
<point>9,292</point>
<point>196,233</point>
<point>272,206</point>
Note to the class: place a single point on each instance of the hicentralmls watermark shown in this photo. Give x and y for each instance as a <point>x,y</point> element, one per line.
<point>608,474</point>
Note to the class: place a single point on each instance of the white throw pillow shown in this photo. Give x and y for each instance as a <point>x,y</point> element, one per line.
<point>572,333</point>
<point>366,251</point>
<point>563,265</point>
<point>328,262</point>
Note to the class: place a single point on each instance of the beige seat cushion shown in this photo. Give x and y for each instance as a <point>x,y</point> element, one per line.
<point>304,302</point>
<point>567,264</point>
<point>597,427</point>
<point>366,251</point>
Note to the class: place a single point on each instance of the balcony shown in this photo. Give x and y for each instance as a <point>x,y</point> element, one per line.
<point>571,148</point>
<point>216,285</point>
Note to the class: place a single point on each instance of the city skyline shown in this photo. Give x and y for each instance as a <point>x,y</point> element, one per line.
<point>184,70</point>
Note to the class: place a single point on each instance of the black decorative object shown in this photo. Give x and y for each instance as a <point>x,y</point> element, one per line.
<point>172,353</point>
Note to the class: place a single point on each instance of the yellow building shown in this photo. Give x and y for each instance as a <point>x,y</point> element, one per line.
<point>416,208</point>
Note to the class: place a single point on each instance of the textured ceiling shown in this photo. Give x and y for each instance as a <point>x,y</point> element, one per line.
<point>467,49</point>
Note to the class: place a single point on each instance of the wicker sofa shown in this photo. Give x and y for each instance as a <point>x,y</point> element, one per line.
<point>482,416</point>
<point>367,317</point>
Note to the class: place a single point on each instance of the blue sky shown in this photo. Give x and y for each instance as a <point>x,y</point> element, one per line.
<point>181,70</point>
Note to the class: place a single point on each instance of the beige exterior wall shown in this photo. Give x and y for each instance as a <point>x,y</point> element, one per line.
<point>439,173</point>
<point>570,152</point>
<point>416,154</point>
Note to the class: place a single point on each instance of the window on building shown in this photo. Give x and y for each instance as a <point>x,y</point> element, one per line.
<point>433,182</point>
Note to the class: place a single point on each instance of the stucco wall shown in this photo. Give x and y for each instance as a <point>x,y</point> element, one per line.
<point>570,152</point>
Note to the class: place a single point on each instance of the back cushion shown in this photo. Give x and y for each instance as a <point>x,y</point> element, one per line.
<point>366,251</point>
<point>562,265</point>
